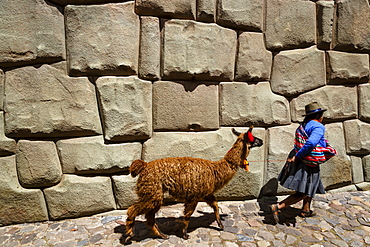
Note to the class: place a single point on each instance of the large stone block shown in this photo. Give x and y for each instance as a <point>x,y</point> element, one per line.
<point>66,2</point>
<point>357,137</point>
<point>357,170</point>
<point>7,145</point>
<point>335,135</point>
<point>255,104</point>
<point>336,172</point>
<point>366,166</point>
<point>325,17</point>
<point>253,62</point>
<point>77,196</point>
<point>352,25</point>
<point>290,24</point>
<point>281,142</point>
<point>90,155</point>
<point>44,102</point>
<point>126,105</point>
<point>150,48</point>
<point>2,85</point>
<point>18,205</point>
<point>185,106</point>
<point>198,51</point>
<point>212,146</point>
<point>364,102</point>
<point>298,71</point>
<point>240,14</point>
<point>340,102</point>
<point>38,164</point>
<point>178,9</point>
<point>124,190</point>
<point>114,51</point>
<point>344,68</point>
<point>31,31</point>
<point>206,10</point>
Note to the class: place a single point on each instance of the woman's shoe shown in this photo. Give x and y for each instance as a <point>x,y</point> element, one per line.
<point>306,214</point>
<point>275,212</point>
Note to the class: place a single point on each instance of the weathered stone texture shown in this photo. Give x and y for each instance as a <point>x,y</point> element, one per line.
<point>290,24</point>
<point>199,51</point>
<point>7,145</point>
<point>77,196</point>
<point>114,51</point>
<point>346,67</point>
<point>364,102</point>
<point>206,10</point>
<point>18,205</point>
<point>298,71</point>
<point>243,104</point>
<point>33,31</point>
<point>340,102</point>
<point>357,170</point>
<point>336,172</point>
<point>66,2</point>
<point>44,102</point>
<point>281,141</point>
<point>126,105</point>
<point>2,88</point>
<point>366,166</point>
<point>181,9</point>
<point>185,106</point>
<point>38,164</point>
<point>325,17</point>
<point>352,26</point>
<point>357,137</point>
<point>150,48</point>
<point>124,190</point>
<point>240,14</point>
<point>89,155</point>
<point>253,62</point>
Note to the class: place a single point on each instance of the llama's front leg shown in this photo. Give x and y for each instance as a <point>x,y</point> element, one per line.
<point>212,202</point>
<point>188,211</point>
<point>150,220</point>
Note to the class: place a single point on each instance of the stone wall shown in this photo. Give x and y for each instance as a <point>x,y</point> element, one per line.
<point>88,86</point>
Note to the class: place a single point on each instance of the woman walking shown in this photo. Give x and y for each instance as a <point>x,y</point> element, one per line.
<point>301,172</point>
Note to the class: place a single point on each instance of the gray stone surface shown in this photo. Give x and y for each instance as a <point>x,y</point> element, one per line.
<point>349,188</point>
<point>290,24</point>
<point>340,102</point>
<point>325,18</point>
<point>18,205</point>
<point>240,14</point>
<point>363,186</point>
<point>336,172</point>
<point>346,67</point>
<point>150,48</point>
<point>243,104</point>
<point>33,31</point>
<point>66,2</point>
<point>181,9</point>
<point>357,137</point>
<point>90,155</point>
<point>185,106</point>
<point>253,62</point>
<point>44,102</point>
<point>357,170</point>
<point>7,145</point>
<point>126,106</point>
<point>352,26</point>
<point>364,102</point>
<point>366,166</point>
<point>124,190</point>
<point>112,52</point>
<point>298,71</point>
<point>77,196</point>
<point>206,10</point>
<point>2,88</point>
<point>38,164</point>
<point>198,51</point>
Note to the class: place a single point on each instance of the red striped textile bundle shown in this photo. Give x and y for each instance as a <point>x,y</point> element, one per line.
<point>318,155</point>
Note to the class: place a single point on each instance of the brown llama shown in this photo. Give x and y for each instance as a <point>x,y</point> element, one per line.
<point>187,179</point>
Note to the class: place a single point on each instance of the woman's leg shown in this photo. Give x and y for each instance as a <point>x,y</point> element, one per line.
<point>291,200</point>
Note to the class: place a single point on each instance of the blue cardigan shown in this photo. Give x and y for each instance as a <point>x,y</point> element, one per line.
<point>316,132</point>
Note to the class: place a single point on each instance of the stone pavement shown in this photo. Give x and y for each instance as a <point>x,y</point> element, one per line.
<point>343,219</point>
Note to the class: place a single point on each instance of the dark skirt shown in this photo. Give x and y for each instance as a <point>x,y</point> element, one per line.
<point>301,178</point>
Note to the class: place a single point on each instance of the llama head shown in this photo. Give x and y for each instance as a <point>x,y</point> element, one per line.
<point>248,138</point>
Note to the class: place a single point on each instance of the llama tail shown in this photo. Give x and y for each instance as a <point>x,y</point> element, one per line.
<point>136,167</point>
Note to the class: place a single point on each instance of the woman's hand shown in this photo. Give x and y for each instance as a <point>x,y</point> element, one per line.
<point>291,159</point>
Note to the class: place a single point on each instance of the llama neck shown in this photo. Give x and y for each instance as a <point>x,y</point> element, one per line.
<point>236,155</point>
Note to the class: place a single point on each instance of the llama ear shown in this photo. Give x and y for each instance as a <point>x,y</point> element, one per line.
<point>250,128</point>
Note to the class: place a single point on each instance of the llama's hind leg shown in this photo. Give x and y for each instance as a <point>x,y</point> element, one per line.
<point>188,211</point>
<point>211,201</point>
<point>132,212</point>
<point>150,220</point>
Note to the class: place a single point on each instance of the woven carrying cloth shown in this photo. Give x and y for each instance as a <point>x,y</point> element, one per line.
<point>318,155</point>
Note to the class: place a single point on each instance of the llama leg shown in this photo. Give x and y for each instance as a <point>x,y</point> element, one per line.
<point>150,220</point>
<point>188,211</point>
<point>132,212</point>
<point>212,202</point>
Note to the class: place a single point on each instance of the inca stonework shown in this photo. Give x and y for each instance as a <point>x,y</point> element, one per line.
<point>88,86</point>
